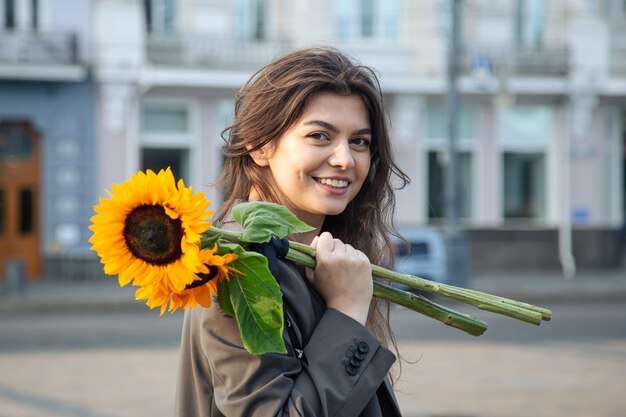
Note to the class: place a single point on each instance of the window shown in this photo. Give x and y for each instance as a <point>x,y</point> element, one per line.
<point>160,158</point>
<point>250,19</point>
<point>34,4</point>
<point>436,184</point>
<point>524,125</point>
<point>15,143</point>
<point>524,189</point>
<point>366,19</point>
<point>9,14</point>
<point>26,211</point>
<point>530,21</point>
<point>20,14</point>
<point>160,15</point>
<point>165,118</point>
<point>437,127</point>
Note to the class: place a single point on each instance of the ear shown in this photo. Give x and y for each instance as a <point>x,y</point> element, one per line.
<point>260,157</point>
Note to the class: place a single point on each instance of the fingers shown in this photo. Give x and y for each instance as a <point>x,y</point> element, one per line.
<point>342,276</point>
<point>325,242</point>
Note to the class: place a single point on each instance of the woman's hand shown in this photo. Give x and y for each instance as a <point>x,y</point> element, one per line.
<point>343,277</point>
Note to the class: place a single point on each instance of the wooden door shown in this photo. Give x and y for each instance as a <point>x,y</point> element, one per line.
<point>20,197</point>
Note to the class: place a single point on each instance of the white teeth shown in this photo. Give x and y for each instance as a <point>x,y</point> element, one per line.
<point>333,183</point>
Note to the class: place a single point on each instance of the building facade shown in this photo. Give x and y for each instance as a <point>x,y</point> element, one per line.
<point>47,136</point>
<point>542,121</point>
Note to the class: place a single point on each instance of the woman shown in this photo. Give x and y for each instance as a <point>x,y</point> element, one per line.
<point>309,133</point>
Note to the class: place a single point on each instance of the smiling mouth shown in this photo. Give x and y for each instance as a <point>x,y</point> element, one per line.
<point>332,182</point>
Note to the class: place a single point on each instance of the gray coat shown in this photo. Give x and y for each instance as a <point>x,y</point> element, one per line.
<point>343,372</point>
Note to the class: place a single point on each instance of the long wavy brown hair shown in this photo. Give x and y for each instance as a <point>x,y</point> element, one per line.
<point>270,103</point>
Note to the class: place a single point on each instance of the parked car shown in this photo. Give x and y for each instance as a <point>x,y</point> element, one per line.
<point>425,255</point>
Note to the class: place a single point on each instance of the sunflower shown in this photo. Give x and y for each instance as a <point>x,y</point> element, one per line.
<point>199,292</point>
<point>148,233</point>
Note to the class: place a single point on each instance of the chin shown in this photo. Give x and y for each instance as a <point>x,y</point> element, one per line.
<point>333,211</point>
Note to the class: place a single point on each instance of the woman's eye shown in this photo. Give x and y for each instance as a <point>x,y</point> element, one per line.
<point>319,136</point>
<point>362,142</point>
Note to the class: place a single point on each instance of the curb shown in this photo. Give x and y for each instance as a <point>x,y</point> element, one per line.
<point>16,305</point>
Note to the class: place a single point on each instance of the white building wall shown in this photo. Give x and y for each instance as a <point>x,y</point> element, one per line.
<point>413,71</point>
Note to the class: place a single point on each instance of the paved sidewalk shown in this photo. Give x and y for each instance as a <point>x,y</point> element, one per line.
<point>474,378</point>
<point>532,287</point>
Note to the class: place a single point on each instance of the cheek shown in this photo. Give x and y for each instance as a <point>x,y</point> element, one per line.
<point>364,166</point>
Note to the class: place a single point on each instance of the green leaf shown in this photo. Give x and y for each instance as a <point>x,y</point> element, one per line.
<point>225,248</point>
<point>258,305</point>
<point>260,220</point>
<point>208,242</point>
<point>223,298</point>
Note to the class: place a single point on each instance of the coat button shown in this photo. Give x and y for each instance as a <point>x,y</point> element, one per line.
<point>355,362</point>
<point>363,347</point>
<point>351,370</point>
<point>360,356</point>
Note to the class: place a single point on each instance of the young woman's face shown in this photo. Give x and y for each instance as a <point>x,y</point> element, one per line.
<point>319,165</point>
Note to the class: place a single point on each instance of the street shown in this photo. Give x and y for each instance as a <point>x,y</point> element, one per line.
<point>124,363</point>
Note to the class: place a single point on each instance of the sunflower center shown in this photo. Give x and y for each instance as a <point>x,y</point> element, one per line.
<point>152,235</point>
<point>203,278</point>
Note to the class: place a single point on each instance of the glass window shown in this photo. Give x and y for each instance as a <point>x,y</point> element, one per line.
<point>26,212</point>
<point>251,19</point>
<point>147,8</point>
<point>437,124</point>
<point>345,11</point>
<point>525,124</point>
<point>436,184</point>
<point>389,16</point>
<point>530,22</point>
<point>15,142</point>
<point>9,14</point>
<point>165,119</point>
<point>366,19</point>
<point>160,15</point>
<point>524,185</point>
<point>158,158</point>
<point>259,20</point>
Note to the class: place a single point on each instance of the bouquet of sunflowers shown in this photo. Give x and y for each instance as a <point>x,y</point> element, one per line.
<point>153,232</point>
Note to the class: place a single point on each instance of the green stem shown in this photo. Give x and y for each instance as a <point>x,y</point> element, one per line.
<point>468,324</point>
<point>480,300</point>
<point>493,303</point>
<point>305,255</point>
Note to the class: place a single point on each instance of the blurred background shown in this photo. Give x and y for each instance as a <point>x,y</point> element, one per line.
<point>91,91</point>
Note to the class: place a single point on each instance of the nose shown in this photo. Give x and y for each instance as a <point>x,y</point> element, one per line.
<point>342,156</point>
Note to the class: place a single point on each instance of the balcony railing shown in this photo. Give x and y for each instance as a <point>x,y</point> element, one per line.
<point>514,61</point>
<point>209,52</point>
<point>38,48</point>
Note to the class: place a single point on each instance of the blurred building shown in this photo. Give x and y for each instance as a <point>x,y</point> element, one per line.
<point>542,121</point>
<point>47,133</point>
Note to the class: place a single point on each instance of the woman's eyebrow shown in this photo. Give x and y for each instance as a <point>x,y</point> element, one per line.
<point>334,129</point>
